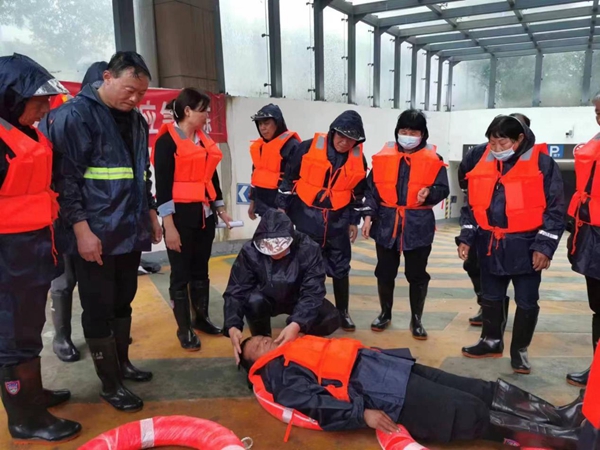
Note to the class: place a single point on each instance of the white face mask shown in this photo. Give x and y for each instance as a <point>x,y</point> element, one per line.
<point>408,142</point>
<point>504,155</point>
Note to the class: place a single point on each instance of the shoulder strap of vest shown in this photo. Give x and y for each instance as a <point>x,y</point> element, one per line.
<point>267,358</point>
<point>320,141</point>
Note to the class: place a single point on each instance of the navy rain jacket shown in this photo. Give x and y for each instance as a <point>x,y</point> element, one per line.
<point>100,180</point>
<point>265,198</point>
<point>309,219</point>
<point>419,229</point>
<point>513,254</point>
<point>297,279</point>
<point>378,381</point>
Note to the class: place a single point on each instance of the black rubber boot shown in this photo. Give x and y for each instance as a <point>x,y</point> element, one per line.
<point>386,301</point>
<point>491,343</point>
<point>417,294</point>
<point>199,294</point>
<point>532,434</point>
<point>523,329</point>
<point>513,400</point>
<point>185,333</point>
<point>25,403</point>
<point>341,292</point>
<point>477,319</point>
<point>260,326</point>
<point>55,398</point>
<point>104,354</point>
<point>580,379</point>
<point>122,331</point>
<point>61,318</point>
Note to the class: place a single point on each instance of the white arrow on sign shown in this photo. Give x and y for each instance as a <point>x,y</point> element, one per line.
<point>243,193</point>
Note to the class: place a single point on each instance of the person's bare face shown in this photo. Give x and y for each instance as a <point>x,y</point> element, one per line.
<point>35,109</point>
<point>257,346</point>
<point>267,129</point>
<point>124,92</point>
<point>343,144</point>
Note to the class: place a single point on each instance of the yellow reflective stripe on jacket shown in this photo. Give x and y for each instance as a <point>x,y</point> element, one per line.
<point>109,173</point>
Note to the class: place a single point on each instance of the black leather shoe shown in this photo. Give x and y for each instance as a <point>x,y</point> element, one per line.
<point>55,398</point>
<point>386,301</point>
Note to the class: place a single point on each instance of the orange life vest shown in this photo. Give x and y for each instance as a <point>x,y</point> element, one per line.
<point>26,200</point>
<point>524,192</point>
<point>313,171</point>
<point>195,166</point>
<point>591,400</point>
<point>587,157</point>
<point>542,148</point>
<point>424,168</point>
<point>266,158</point>
<point>328,359</point>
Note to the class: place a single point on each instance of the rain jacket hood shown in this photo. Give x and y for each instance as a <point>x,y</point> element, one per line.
<point>271,111</point>
<point>20,79</point>
<point>274,224</point>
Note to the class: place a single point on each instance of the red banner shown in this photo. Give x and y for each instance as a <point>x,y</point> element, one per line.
<point>153,109</point>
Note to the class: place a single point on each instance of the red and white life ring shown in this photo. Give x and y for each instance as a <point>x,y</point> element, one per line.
<point>182,431</point>
<point>286,415</point>
<point>401,440</point>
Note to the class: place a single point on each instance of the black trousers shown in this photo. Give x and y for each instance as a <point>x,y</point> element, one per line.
<point>527,288</point>
<point>63,285</point>
<point>337,254</point>
<point>106,291</point>
<point>443,407</point>
<point>593,290</point>
<point>471,266</point>
<point>415,264</point>
<point>192,263</point>
<point>327,321</point>
<point>26,270</point>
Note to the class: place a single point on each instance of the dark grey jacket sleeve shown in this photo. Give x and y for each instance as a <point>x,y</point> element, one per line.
<point>241,283</point>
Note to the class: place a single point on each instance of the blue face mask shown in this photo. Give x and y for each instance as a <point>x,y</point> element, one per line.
<point>504,155</point>
<point>408,142</point>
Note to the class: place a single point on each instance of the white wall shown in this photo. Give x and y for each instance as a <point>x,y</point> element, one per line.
<point>307,118</point>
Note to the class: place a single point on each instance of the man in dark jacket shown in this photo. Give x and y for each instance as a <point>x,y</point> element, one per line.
<point>332,226</point>
<point>280,271</point>
<point>536,208</point>
<point>275,143</point>
<point>61,290</point>
<point>386,387</point>
<point>107,205</point>
<point>471,264</point>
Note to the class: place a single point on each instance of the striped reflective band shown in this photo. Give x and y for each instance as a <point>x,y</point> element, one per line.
<point>109,173</point>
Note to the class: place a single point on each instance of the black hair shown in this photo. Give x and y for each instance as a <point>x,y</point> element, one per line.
<point>245,363</point>
<point>413,119</point>
<point>505,127</point>
<point>191,97</point>
<point>523,118</point>
<point>122,61</point>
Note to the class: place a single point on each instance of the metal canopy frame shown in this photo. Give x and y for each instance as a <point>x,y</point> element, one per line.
<point>516,28</point>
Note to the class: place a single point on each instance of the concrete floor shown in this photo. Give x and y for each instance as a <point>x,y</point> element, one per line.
<point>206,384</point>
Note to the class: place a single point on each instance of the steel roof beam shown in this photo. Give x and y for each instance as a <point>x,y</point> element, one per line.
<point>466,11</point>
<point>508,54</point>
<point>496,22</point>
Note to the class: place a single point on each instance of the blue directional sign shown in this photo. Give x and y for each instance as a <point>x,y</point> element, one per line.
<point>243,194</point>
<point>556,150</point>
